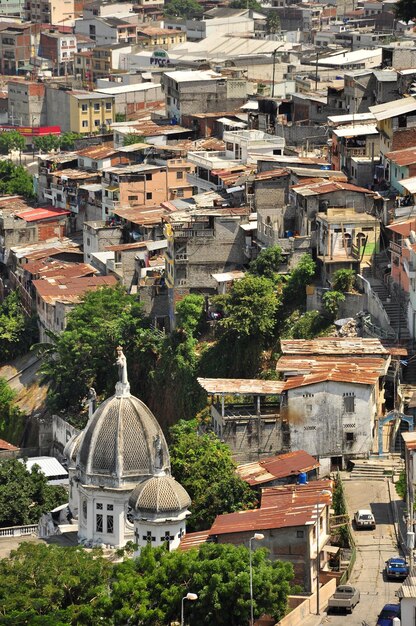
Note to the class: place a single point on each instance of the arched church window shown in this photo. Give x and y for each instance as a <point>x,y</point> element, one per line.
<point>99,523</point>
<point>84,509</point>
<point>110,524</point>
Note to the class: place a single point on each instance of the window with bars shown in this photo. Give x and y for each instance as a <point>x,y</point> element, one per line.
<point>349,402</point>
<point>99,523</point>
<point>110,524</point>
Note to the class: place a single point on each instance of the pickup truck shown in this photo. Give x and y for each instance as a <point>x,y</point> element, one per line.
<point>345,597</point>
<point>364,519</point>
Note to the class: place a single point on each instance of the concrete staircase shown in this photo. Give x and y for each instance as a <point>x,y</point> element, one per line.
<point>376,468</point>
<point>391,305</point>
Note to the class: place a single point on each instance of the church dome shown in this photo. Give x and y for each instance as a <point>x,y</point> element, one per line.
<point>71,449</point>
<point>159,494</point>
<point>122,443</point>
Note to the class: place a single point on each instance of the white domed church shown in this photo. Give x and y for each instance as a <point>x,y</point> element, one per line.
<point>121,488</point>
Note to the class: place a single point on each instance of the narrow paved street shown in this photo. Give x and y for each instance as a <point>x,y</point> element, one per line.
<point>373,549</point>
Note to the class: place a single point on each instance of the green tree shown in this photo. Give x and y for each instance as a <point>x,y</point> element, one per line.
<point>131,138</point>
<point>190,313</point>
<point>294,291</point>
<point>68,139</point>
<point>204,466</point>
<point>267,263</point>
<point>47,143</point>
<point>24,495</point>
<point>12,420</point>
<point>344,280</point>
<point>405,10</point>
<point>218,573</point>
<point>53,586</point>
<point>272,22</point>
<point>17,331</point>
<point>304,325</point>
<point>82,356</point>
<point>188,9</point>
<point>331,301</point>
<point>251,307</point>
<point>11,140</point>
<point>246,4</point>
<point>14,179</point>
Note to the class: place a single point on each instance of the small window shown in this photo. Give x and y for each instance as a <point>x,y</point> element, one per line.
<point>179,175</point>
<point>349,402</point>
<point>99,506</point>
<point>108,106</point>
<point>148,177</point>
<point>99,523</point>
<point>84,108</point>
<point>349,436</point>
<point>149,195</point>
<point>88,241</point>
<point>96,106</point>
<point>84,124</point>
<point>110,507</point>
<point>97,123</point>
<point>300,534</point>
<point>130,198</point>
<point>110,524</point>
<point>179,193</point>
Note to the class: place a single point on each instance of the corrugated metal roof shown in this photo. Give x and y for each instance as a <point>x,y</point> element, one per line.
<point>228,276</point>
<point>48,464</point>
<point>339,375</point>
<point>275,467</point>
<point>409,184</point>
<point>241,386</point>
<point>402,157</point>
<point>193,540</point>
<point>5,445</point>
<point>403,227</point>
<point>318,189</point>
<point>144,216</point>
<point>306,365</point>
<point>333,345</point>
<point>388,110</point>
<point>408,588</point>
<point>54,289</point>
<point>34,215</point>
<point>356,131</point>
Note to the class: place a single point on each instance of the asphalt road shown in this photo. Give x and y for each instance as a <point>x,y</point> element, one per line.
<point>374,547</point>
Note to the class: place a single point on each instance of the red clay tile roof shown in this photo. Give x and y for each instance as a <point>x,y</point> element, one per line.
<point>193,540</point>
<point>5,445</point>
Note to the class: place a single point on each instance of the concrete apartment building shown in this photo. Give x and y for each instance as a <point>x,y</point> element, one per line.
<point>188,91</point>
<point>202,242</point>
<point>59,48</point>
<point>18,43</point>
<point>49,12</point>
<point>79,111</point>
<point>27,103</point>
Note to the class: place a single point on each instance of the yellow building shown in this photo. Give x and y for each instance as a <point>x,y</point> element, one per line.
<point>90,112</point>
<point>152,37</point>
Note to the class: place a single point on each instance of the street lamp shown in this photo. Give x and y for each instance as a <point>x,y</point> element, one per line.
<point>257,537</point>
<point>189,596</point>
<point>324,492</point>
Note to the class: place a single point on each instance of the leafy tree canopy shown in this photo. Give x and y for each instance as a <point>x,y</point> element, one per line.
<point>190,313</point>
<point>267,263</point>
<point>47,143</point>
<point>343,280</point>
<point>251,306</point>
<point>68,139</point>
<point>11,140</point>
<point>304,325</point>
<point>17,332</point>
<point>331,301</point>
<point>131,138</point>
<point>14,179</point>
<point>188,9</point>
<point>24,495</point>
<point>405,10</point>
<point>53,586</point>
<point>11,417</point>
<point>272,22</point>
<point>204,466</point>
<point>82,355</point>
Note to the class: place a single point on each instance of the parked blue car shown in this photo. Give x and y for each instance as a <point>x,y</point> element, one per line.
<point>396,567</point>
<point>389,612</point>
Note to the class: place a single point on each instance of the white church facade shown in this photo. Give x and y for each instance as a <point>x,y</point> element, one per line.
<point>121,488</point>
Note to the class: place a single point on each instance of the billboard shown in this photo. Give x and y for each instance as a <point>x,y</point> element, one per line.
<point>31,131</point>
